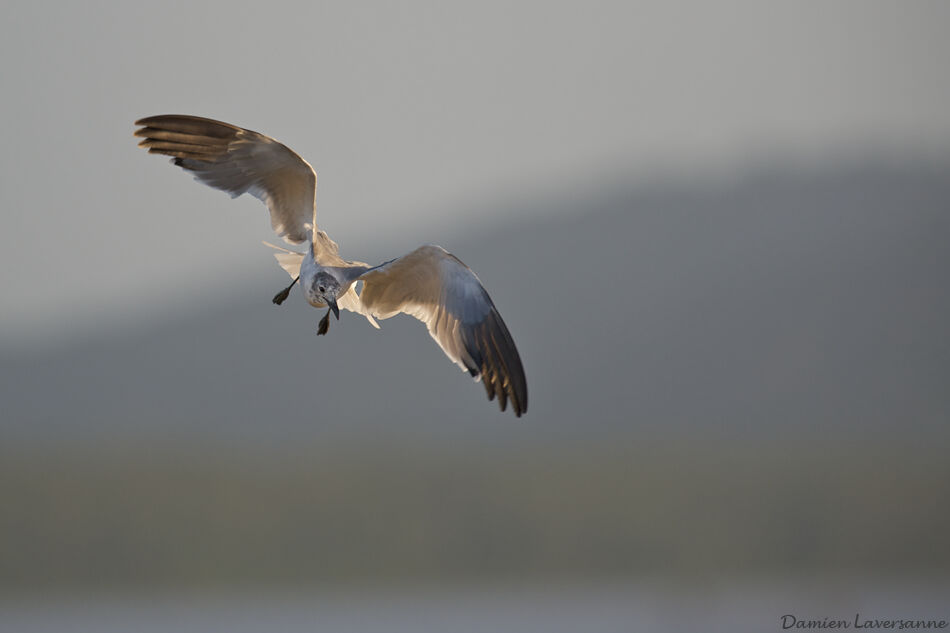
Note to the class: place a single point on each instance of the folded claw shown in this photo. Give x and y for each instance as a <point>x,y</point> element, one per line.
<point>281,296</point>
<point>324,325</point>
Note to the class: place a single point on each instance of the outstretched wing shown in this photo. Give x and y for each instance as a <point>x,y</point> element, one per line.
<point>239,161</point>
<point>434,286</point>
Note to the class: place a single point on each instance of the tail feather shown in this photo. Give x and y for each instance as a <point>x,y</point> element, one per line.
<point>351,301</point>
<point>288,260</point>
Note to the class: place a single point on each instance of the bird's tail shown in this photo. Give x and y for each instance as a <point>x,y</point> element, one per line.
<point>288,260</point>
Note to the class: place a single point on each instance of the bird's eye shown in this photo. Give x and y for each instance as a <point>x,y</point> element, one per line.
<point>321,289</point>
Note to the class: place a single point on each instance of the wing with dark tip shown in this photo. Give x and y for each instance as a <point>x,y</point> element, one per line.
<point>434,286</point>
<point>238,161</point>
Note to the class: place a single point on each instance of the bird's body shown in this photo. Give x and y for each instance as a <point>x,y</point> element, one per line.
<point>429,283</point>
<point>313,274</point>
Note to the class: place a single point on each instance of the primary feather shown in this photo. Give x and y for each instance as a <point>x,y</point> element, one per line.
<point>238,161</point>
<point>435,287</point>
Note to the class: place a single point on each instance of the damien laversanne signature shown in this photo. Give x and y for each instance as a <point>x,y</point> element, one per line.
<point>860,622</point>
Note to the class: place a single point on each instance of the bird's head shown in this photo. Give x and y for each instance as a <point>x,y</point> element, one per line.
<point>326,288</point>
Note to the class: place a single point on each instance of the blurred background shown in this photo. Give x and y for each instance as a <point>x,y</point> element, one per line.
<point>717,232</point>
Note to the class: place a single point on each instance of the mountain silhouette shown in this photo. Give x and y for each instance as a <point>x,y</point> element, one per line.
<point>790,301</point>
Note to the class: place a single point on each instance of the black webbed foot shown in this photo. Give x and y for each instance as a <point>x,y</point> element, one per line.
<point>281,296</point>
<point>324,325</point>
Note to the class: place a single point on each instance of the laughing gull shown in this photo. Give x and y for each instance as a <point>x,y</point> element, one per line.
<point>429,283</point>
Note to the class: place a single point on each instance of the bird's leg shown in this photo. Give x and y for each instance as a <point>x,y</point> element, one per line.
<point>281,296</point>
<point>324,326</point>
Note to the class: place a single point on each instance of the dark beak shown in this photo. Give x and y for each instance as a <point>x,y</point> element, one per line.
<point>336,310</point>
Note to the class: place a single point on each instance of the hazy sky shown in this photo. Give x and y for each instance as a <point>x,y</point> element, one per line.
<point>417,116</point>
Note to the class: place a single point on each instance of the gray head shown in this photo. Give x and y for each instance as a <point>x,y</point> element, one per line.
<point>326,288</point>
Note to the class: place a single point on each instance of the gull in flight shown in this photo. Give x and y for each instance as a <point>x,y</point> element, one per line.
<point>429,283</point>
